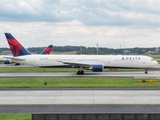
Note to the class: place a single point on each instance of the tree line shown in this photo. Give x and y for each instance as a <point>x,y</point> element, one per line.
<point>92,50</point>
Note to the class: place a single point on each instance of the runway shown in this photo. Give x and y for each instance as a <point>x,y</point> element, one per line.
<point>52,97</point>
<point>139,74</point>
<point>42,101</point>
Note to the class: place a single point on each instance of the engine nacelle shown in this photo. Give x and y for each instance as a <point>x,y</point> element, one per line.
<point>97,68</point>
<point>7,62</point>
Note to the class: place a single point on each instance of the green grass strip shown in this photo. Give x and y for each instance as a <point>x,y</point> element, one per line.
<point>15,116</point>
<point>75,83</point>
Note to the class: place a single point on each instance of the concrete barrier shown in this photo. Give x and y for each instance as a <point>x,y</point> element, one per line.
<point>97,116</point>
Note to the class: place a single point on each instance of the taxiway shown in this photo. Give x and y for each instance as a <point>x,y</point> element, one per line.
<point>139,74</point>
<point>53,97</point>
<point>78,101</point>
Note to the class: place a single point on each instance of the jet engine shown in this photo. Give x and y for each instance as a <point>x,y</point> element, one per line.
<point>97,68</point>
<point>7,62</point>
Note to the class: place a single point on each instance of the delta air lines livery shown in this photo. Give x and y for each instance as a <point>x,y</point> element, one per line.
<point>96,63</point>
<point>4,59</point>
<point>47,50</point>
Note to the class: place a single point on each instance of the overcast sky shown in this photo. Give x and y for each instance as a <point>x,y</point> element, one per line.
<point>110,23</point>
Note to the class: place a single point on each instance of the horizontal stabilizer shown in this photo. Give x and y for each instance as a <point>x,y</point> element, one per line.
<point>15,59</point>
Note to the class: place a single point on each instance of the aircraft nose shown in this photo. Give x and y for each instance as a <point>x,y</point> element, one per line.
<point>155,63</point>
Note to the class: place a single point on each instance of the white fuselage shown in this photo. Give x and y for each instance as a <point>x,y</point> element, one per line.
<point>126,61</point>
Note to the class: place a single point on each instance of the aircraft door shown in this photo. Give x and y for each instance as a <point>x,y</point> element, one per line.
<point>73,59</point>
<point>144,61</point>
<point>34,60</point>
<point>109,61</point>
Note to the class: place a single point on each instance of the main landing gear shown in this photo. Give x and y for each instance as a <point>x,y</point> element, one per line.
<point>146,70</point>
<point>80,71</point>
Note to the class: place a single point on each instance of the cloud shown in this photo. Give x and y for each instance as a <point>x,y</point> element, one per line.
<point>75,33</point>
<point>90,12</point>
<point>111,23</point>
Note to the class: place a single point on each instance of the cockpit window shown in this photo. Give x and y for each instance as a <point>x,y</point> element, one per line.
<point>152,59</point>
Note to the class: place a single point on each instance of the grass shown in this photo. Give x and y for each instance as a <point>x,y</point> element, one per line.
<point>74,83</point>
<point>15,116</point>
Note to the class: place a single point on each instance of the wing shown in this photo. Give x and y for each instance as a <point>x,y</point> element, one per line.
<point>81,64</point>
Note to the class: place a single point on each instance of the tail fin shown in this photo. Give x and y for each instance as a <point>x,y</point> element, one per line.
<point>47,50</point>
<point>16,48</point>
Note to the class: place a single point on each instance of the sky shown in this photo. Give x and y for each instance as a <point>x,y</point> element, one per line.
<point>110,23</point>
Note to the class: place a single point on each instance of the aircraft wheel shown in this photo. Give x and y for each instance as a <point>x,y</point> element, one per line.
<point>78,73</point>
<point>82,72</point>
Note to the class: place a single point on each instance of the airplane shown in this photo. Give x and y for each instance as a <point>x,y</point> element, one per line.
<point>47,50</point>
<point>3,58</point>
<point>96,63</point>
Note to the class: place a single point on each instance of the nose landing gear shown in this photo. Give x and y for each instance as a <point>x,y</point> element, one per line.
<point>146,70</point>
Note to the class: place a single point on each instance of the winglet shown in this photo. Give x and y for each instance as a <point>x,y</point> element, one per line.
<point>16,48</point>
<point>47,50</point>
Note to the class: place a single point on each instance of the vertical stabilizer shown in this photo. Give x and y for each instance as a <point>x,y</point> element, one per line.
<point>16,48</point>
<point>47,50</point>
